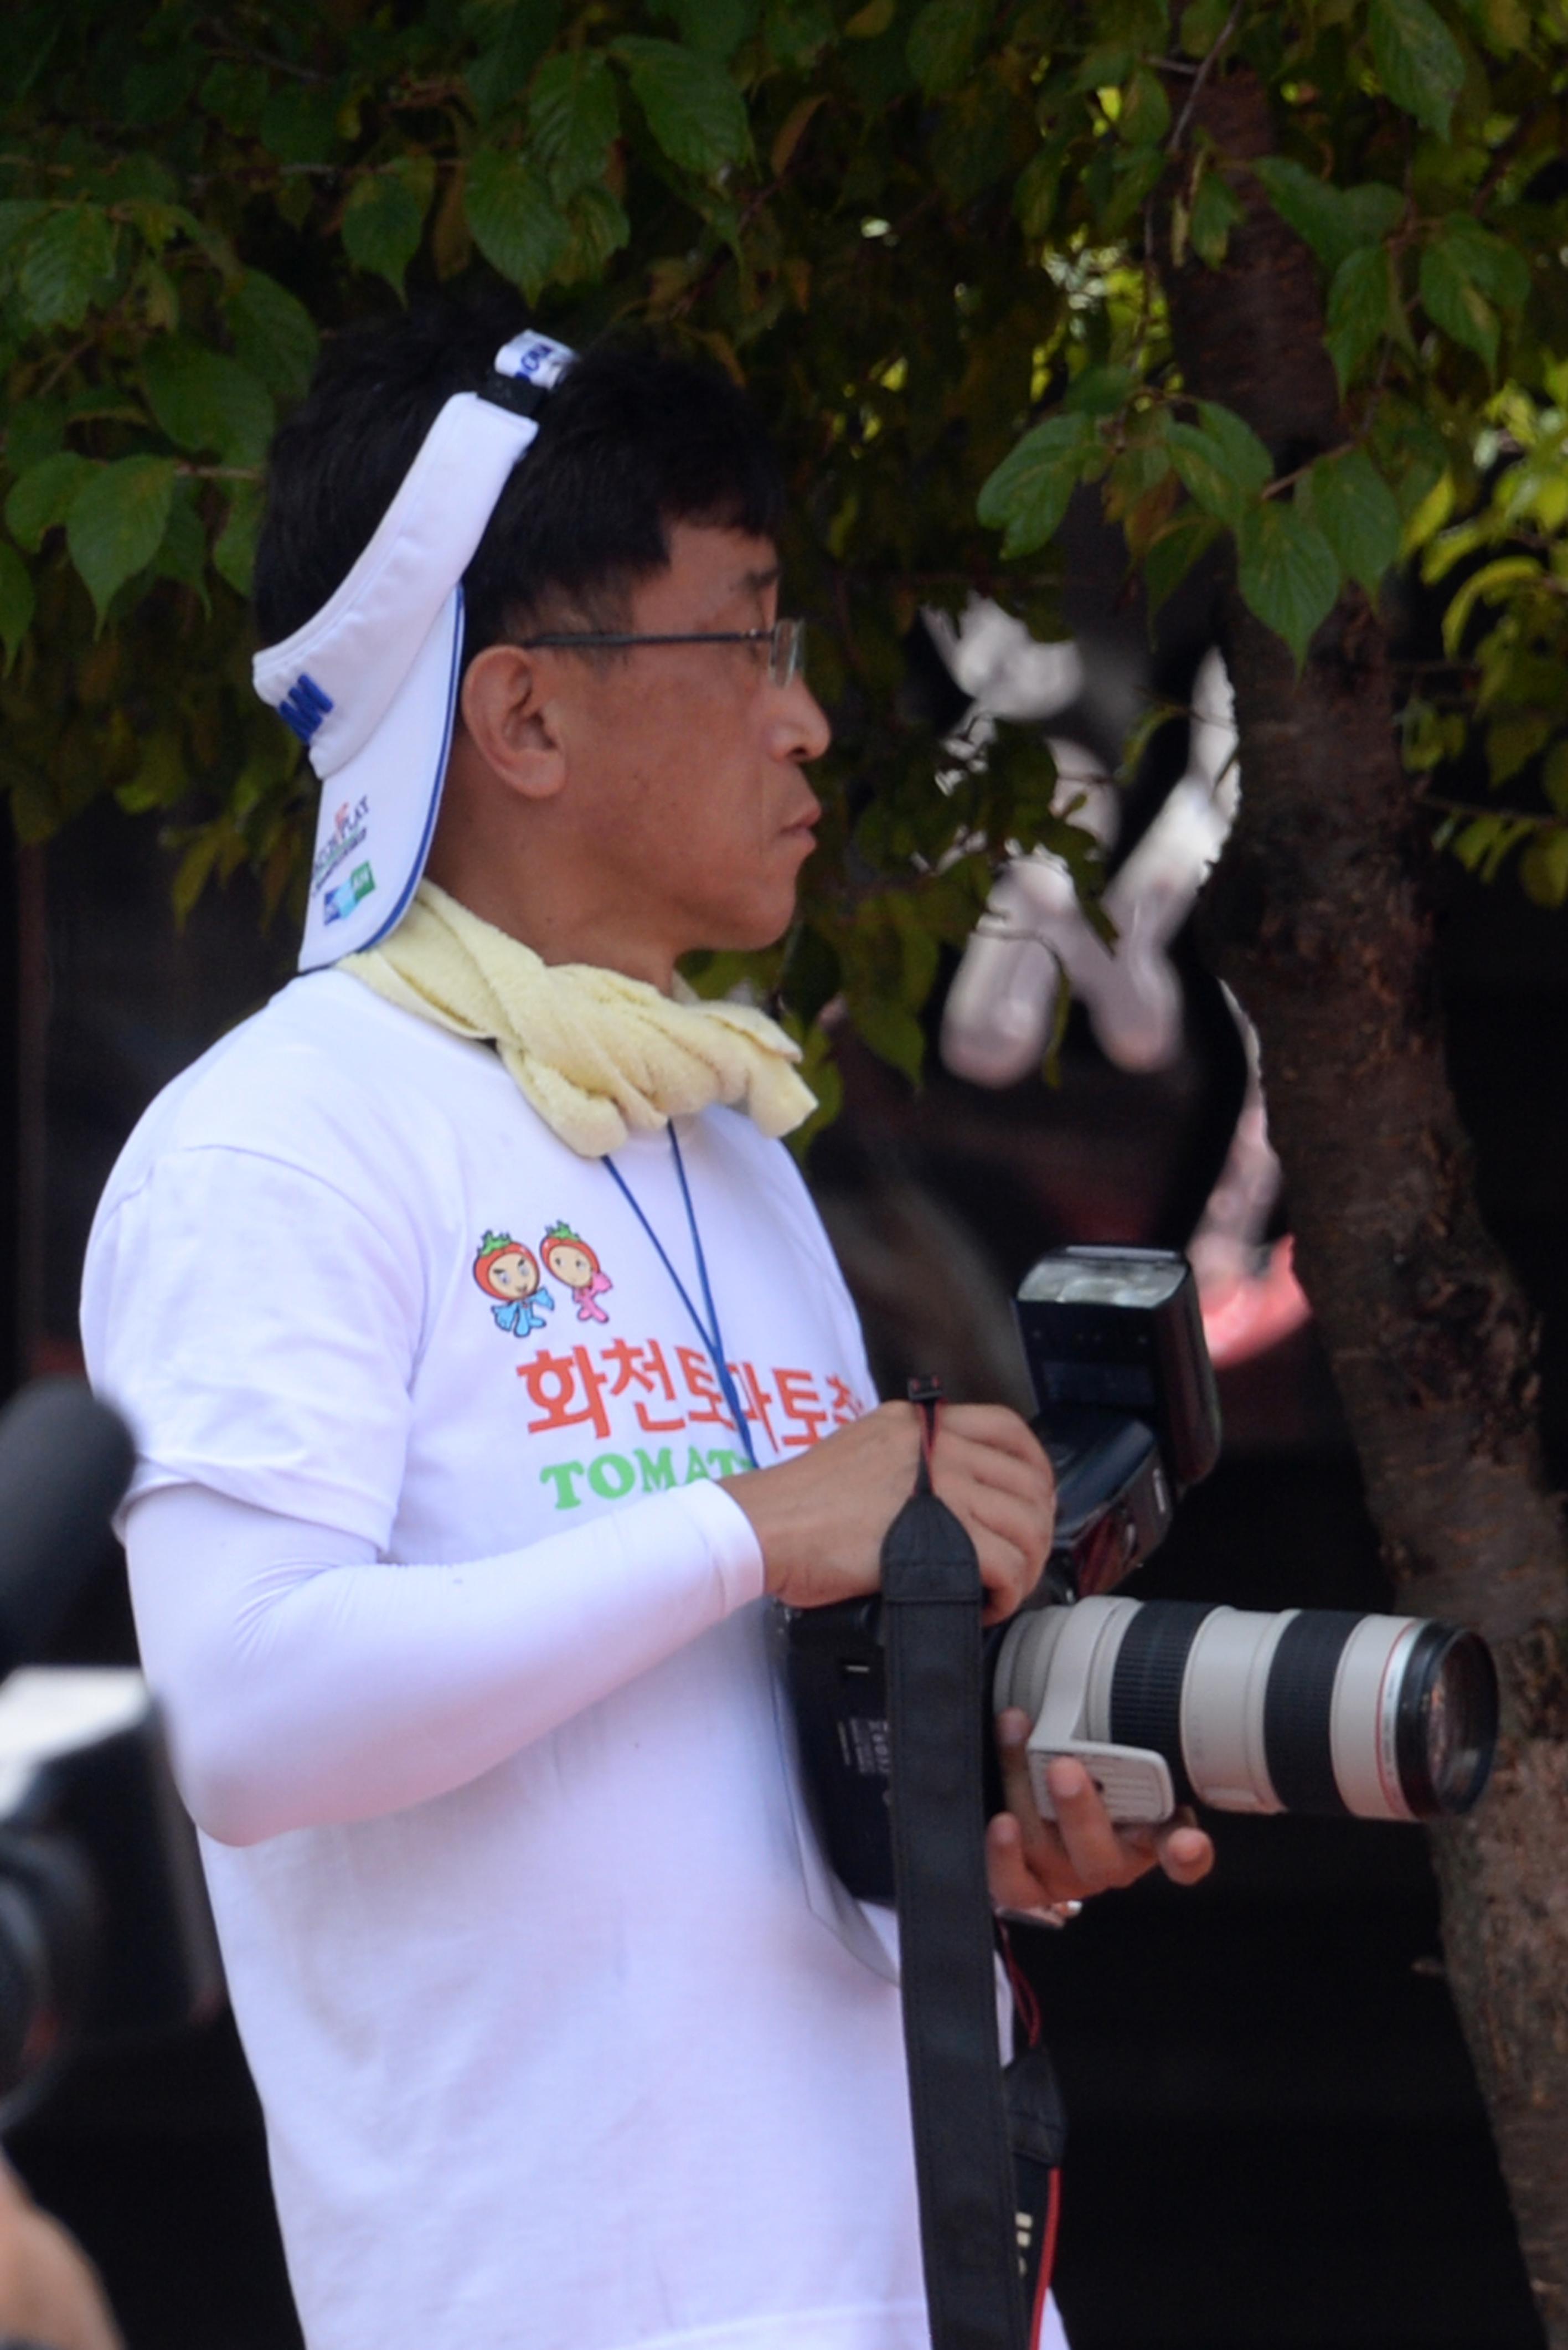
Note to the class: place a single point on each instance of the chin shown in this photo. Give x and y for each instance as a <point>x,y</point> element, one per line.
<point>737,930</point>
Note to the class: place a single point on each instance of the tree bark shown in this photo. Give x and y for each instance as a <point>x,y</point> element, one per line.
<point>1319,918</point>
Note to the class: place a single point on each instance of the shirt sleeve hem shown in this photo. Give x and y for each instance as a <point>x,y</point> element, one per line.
<point>732,1544</point>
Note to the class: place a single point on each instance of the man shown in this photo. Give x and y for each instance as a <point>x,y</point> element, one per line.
<point>560,2035</point>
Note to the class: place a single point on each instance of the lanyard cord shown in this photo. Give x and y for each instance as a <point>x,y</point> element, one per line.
<point>709,1332</point>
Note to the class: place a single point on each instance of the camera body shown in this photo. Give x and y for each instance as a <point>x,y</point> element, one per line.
<point>1129,1415</point>
<point>1165,1702</point>
<point>104,1932</point>
<point>98,1863</point>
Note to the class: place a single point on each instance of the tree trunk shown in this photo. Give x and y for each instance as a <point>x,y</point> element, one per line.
<point>1319,920</point>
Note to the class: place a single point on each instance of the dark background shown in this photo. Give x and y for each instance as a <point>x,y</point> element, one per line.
<point>1276,2138</point>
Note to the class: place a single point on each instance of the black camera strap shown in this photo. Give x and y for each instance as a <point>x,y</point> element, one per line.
<point>932,1594</point>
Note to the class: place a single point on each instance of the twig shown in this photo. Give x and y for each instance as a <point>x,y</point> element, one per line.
<point>1173,145</point>
<point>1537,823</point>
<point>65,363</point>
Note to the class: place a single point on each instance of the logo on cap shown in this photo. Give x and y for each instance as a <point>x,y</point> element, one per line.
<point>342,900</point>
<point>304,706</point>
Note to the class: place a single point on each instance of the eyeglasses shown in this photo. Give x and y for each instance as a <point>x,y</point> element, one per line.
<point>785,641</point>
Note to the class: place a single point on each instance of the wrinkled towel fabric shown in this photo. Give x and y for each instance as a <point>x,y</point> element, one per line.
<point>598,1055</point>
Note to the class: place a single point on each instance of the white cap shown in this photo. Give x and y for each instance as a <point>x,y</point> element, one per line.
<point>369,683</point>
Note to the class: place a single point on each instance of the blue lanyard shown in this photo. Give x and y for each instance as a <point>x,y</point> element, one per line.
<point>709,1332</point>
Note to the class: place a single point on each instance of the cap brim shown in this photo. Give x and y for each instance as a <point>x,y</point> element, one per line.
<point>378,809</point>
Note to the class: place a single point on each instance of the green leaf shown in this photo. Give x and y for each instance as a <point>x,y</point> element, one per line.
<point>183,554</point>
<point>299,123</point>
<point>1138,172</point>
<point>1028,492</point>
<point>516,224</point>
<point>1486,841</point>
<point>502,71</point>
<point>718,27</point>
<point>204,399</point>
<point>1145,116</point>
<point>1554,777</point>
<point>892,1030</point>
<point>1334,221</point>
<point>1287,573</point>
<point>17,215</point>
<point>41,496</point>
<point>599,228</point>
<point>1173,554</point>
<point>1453,301</point>
<point>1035,197</point>
<point>70,260</point>
<point>117,523</point>
<point>1492,580</point>
<point>384,220</point>
<point>941,43</point>
<point>693,108</point>
<point>1202,22</point>
<point>1105,67</point>
<point>1099,391</point>
<point>236,94</point>
<point>1499,269</point>
<point>1418,62</point>
<point>1543,868</point>
<point>194,871</point>
<point>274,335</point>
<point>1375,209</point>
<point>1216,211</point>
<point>1512,740</point>
<point>1221,463</point>
<point>796,32</point>
<point>1246,459</point>
<point>233,556</point>
<point>162,778</point>
<point>1360,310</point>
<point>572,118</point>
<point>16,600</point>
<point>1354,508</point>
<point>35,429</point>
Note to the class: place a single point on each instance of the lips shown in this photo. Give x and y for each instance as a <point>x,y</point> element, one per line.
<point>808,819</point>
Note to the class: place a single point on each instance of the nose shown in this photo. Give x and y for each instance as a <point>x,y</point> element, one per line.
<point>798,727</point>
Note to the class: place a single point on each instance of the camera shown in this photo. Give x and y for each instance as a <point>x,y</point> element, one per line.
<point>1164,1701</point>
<point>105,1932</point>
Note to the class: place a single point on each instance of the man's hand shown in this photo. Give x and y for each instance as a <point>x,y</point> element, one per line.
<point>1032,1865</point>
<point>50,2293</point>
<point>821,1520</point>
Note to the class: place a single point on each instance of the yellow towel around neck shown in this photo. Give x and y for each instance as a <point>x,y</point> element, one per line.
<point>598,1056</point>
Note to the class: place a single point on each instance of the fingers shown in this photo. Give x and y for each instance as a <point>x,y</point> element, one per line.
<point>997,1430</point>
<point>1013,1884</point>
<point>1006,1543</point>
<point>1017,1468</point>
<point>1032,1863</point>
<point>1185,1853</point>
<point>989,1469</point>
<point>1080,1853</point>
<point>1100,1855</point>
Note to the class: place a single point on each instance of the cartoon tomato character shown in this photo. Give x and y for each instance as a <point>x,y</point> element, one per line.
<point>509,1274</point>
<point>570,1261</point>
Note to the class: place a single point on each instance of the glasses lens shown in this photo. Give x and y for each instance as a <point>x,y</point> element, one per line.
<point>786,652</point>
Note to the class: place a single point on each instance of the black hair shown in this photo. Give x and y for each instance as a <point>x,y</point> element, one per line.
<point>635,438</point>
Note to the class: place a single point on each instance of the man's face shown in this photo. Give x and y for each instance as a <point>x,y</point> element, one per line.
<point>685,760</point>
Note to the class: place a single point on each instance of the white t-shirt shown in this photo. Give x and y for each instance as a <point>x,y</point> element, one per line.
<point>560,2057</point>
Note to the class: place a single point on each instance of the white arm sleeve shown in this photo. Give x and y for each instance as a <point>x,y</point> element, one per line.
<point>305,1681</point>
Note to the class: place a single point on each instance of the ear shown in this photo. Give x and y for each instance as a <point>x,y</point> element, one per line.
<point>509,722</point>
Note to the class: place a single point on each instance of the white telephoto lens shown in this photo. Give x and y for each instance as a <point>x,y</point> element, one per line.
<point>1315,1709</point>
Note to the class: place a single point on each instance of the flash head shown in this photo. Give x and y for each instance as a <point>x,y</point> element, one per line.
<point>1118,1331</point>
